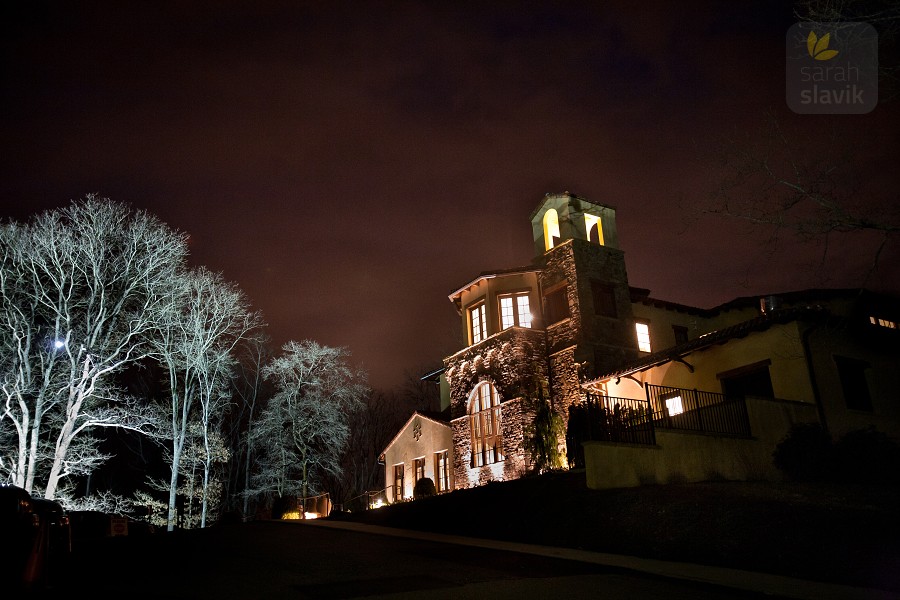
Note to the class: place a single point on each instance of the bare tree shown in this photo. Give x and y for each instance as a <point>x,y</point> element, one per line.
<point>81,288</point>
<point>883,15</point>
<point>250,391</point>
<point>301,434</point>
<point>810,185</point>
<point>196,343</point>
<point>372,427</point>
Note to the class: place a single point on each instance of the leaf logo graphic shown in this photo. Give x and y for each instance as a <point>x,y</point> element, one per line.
<point>818,46</point>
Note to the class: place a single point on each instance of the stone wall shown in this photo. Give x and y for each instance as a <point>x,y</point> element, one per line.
<point>511,360</point>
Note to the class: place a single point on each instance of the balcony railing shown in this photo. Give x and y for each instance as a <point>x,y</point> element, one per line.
<point>613,419</point>
<point>695,410</point>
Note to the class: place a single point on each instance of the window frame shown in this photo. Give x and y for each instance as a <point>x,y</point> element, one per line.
<point>515,305</point>
<point>418,469</point>
<point>746,377</point>
<point>399,481</point>
<point>442,470</point>
<point>556,303</point>
<point>485,425</point>
<point>647,346</point>
<point>480,334</point>
<point>604,298</point>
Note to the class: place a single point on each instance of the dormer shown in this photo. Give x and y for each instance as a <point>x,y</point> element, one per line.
<point>566,216</point>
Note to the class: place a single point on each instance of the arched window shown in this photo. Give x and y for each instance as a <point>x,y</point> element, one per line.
<point>551,229</point>
<point>594,229</point>
<point>484,424</point>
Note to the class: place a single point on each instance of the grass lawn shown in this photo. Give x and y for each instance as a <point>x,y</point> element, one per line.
<point>846,534</point>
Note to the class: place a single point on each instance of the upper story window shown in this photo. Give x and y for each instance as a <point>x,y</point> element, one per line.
<point>882,322</point>
<point>643,335</point>
<point>681,334</point>
<point>594,229</point>
<point>515,309</point>
<point>484,424</point>
<point>551,229</point>
<point>556,304</point>
<point>604,299</point>
<point>478,323</point>
<point>750,380</point>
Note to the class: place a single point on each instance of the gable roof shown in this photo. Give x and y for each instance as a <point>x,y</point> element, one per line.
<point>440,418</point>
<point>484,275</point>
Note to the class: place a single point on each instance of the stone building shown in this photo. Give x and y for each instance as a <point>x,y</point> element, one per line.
<point>714,389</point>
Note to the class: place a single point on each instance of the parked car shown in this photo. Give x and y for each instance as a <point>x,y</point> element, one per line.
<point>23,551</point>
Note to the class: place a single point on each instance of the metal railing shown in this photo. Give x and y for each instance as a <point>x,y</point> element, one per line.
<point>630,420</point>
<point>608,418</point>
<point>695,410</point>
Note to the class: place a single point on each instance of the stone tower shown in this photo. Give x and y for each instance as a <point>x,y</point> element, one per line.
<point>584,290</point>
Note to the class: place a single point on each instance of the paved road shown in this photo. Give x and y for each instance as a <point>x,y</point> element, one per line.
<point>333,560</point>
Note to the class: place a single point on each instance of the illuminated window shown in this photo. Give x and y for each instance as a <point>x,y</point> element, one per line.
<point>882,322</point>
<point>419,468</point>
<point>478,323</point>
<point>551,229</point>
<point>398,482</point>
<point>643,335</point>
<point>673,406</point>
<point>593,228</point>
<point>515,310</point>
<point>484,423</point>
<point>442,470</point>
<point>556,305</point>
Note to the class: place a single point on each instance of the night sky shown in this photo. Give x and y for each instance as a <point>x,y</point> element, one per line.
<point>349,165</point>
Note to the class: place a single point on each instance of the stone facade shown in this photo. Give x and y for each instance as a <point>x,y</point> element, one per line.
<point>511,360</point>
<point>562,341</point>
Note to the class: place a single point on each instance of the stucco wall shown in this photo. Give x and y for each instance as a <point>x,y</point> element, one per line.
<point>415,442</point>
<point>681,456</point>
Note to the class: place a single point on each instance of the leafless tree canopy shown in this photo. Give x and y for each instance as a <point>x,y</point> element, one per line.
<point>301,434</point>
<point>81,288</point>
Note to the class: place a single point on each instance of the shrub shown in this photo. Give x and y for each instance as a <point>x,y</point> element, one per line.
<point>424,488</point>
<point>867,456</point>
<point>805,453</point>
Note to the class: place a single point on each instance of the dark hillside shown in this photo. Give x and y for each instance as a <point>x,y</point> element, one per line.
<point>846,534</point>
